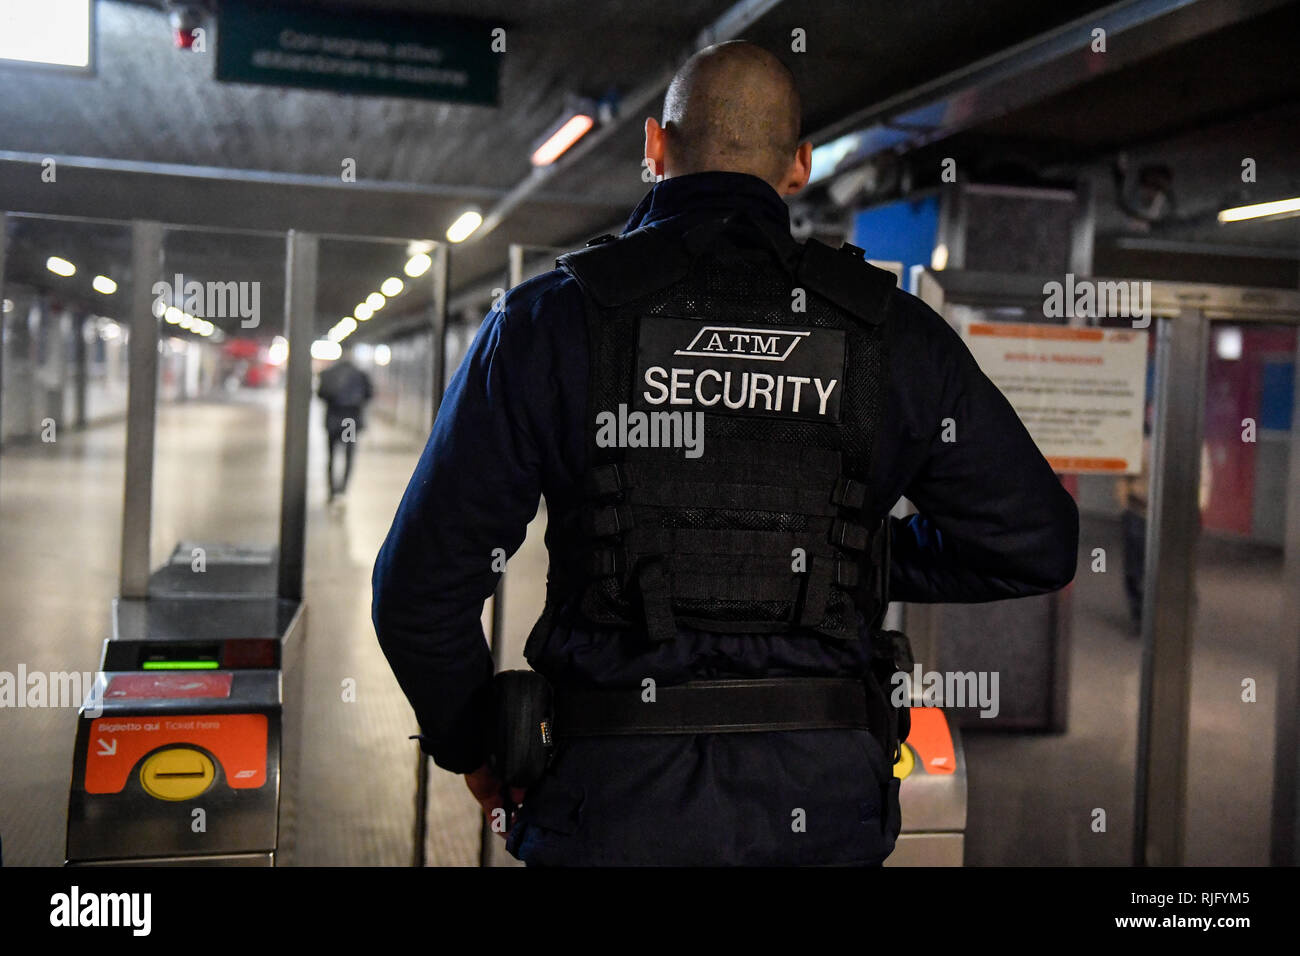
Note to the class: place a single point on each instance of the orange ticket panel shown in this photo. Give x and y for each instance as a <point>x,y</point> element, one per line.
<point>931,738</point>
<point>117,744</point>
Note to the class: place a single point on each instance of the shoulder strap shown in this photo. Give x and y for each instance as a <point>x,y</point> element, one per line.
<point>616,271</point>
<point>845,278</point>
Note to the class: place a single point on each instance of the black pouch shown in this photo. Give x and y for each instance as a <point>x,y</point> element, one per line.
<point>891,654</point>
<point>900,654</point>
<point>521,737</point>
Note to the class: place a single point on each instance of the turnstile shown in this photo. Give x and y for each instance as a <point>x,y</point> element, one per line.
<point>932,793</point>
<point>181,749</point>
<point>183,752</point>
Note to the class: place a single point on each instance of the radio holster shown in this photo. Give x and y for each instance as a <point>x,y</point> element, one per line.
<point>522,739</point>
<point>891,653</point>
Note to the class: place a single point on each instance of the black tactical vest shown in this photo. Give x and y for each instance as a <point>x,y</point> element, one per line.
<point>777,350</point>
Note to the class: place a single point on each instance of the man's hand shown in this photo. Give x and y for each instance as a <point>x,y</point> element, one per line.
<point>488,790</point>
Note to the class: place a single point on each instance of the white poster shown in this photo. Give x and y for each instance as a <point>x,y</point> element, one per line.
<point>1079,391</point>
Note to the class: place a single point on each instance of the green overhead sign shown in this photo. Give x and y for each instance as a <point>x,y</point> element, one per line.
<point>379,54</point>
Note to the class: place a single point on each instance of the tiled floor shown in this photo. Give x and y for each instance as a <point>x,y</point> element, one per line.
<point>1032,797</point>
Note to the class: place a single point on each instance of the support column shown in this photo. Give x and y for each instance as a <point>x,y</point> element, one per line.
<point>441,275</point>
<point>79,368</point>
<point>141,408</point>
<point>300,264</point>
<point>1173,530</point>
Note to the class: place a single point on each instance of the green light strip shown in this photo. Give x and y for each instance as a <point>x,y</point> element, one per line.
<point>179,665</point>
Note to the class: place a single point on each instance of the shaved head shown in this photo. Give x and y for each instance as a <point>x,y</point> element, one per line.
<point>733,107</point>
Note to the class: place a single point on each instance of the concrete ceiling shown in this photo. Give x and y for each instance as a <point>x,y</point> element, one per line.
<point>241,156</point>
<point>1197,109</point>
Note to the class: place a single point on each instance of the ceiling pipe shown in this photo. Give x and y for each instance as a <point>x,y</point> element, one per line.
<point>1026,73</point>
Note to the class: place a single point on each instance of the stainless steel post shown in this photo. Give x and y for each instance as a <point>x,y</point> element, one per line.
<point>301,256</point>
<point>1173,530</point>
<point>438,325</point>
<point>79,371</point>
<point>496,642</point>
<point>441,276</point>
<point>141,408</point>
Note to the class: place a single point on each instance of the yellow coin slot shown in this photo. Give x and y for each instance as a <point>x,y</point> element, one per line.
<point>906,762</point>
<point>178,773</point>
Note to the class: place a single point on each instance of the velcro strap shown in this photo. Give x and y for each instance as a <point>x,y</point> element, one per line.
<point>715,707</point>
<point>816,593</point>
<point>609,520</point>
<point>849,535</point>
<point>606,562</point>
<point>735,497</point>
<point>846,574</point>
<point>604,480</point>
<point>656,601</point>
<point>677,541</point>
<point>849,493</point>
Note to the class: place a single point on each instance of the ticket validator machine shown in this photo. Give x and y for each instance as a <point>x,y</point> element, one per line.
<point>184,753</point>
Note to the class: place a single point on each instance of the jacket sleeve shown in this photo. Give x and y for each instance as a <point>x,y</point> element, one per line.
<point>466,507</point>
<point>993,519</point>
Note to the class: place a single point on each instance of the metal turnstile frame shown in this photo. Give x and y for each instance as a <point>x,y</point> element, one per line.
<point>440,276</point>
<point>1181,315</point>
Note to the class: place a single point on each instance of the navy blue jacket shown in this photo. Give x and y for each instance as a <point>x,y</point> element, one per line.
<point>994,523</point>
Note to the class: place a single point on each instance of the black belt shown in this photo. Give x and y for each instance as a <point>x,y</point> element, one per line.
<point>715,707</point>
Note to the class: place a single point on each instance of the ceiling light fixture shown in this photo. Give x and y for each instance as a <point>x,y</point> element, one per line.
<point>1282,208</point>
<point>343,329</point>
<point>417,265</point>
<point>464,226</point>
<point>576,121</point>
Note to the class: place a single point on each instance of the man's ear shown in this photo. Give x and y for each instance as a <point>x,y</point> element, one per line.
<point>654,146</point>
<point>796,177</point>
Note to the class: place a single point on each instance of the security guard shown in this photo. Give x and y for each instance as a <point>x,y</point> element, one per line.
<point>720,420</point>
